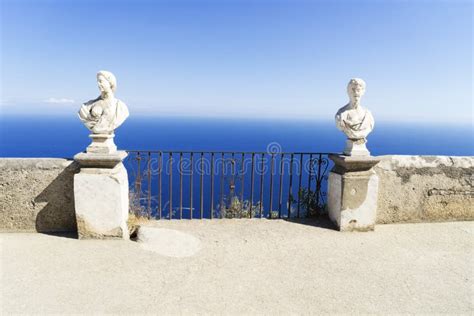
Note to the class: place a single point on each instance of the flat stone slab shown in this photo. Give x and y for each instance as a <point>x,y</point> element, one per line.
<point>353,163</point>
<point>168,242</point>
<point>97,160</point>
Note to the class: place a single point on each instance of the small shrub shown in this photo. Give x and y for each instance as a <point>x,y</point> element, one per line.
<point>310,203</point>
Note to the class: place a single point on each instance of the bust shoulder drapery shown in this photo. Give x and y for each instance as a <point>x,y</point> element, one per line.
<point>103,117</point>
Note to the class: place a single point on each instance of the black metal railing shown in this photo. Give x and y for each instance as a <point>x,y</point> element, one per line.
<point>223,184</point>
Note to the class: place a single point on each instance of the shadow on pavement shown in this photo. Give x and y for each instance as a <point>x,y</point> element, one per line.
<point>71,235</point>
<point>320,222</point>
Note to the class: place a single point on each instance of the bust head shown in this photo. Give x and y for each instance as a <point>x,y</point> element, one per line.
<point>106,82</point>
<point>355,89</point>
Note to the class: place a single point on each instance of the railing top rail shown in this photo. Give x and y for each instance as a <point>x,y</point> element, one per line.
<point>229,152</point>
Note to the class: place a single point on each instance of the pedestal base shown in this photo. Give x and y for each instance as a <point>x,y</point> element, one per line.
<point>102,144</point>
<point>352,193</point>
<point>356,147</point>
<point>101,202</point>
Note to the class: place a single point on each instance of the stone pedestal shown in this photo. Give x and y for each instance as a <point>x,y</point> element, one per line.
<point>101,196</point>
<point>352,194</point>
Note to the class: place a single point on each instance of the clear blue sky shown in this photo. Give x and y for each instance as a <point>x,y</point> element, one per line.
<point>241,58</point>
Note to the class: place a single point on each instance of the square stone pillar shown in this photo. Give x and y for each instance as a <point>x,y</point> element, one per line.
<point>101,195</point>
<point>352,192</point>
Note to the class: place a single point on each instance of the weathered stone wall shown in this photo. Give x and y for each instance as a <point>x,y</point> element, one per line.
<point>36,194</point>
<point>425,189</point>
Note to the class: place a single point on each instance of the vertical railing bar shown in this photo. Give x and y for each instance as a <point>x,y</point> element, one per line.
<point>191,186</point>
<point>180,185</point>
<point>232,178</point>
<point>212,185</point>
<point>138,181</point>
<point>290,186</point>
<point>310,174</point>
<point>242,183</point>
<point>149,186</point>
<point>318,181</point>
<point>233,164</point>
<point>261,186</point>
<point>171,185</point>
<point>299,186</point>
<point>310,171</point>
<point>160,187</point>
<point>280,194</point>
<point>222,207</point>
<point>201,187</point>
<point>251,184</point>
<point>271,186</point>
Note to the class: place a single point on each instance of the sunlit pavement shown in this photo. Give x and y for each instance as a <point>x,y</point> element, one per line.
<point>243,266</point>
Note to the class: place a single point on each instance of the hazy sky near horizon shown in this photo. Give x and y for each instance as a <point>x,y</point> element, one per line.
<point>267,58</point>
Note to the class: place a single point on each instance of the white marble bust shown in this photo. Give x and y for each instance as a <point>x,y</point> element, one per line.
<point>354,120</point>
<point>105,113</point>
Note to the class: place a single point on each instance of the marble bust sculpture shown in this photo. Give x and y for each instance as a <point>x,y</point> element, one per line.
<point>354,120</point>
<point>105,113</point>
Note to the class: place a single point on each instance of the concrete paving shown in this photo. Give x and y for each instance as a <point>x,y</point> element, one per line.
<point>243,267</point>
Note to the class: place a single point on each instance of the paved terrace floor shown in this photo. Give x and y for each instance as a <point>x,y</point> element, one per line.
<point>243,266</point>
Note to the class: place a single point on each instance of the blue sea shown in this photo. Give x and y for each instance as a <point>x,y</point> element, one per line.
<point>61,136</point>
<point>194,196</point>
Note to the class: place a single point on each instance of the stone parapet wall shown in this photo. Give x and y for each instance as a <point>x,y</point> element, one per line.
<point>425,189</point>
<point>36,194</point>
